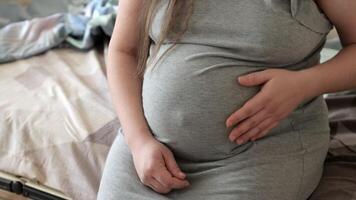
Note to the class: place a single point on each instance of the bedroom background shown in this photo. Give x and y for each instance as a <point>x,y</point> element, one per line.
<point>57,122</point>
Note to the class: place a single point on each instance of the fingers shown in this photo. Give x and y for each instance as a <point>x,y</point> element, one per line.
<point>245,137</point>
<point>158,187</point>
<point>172,165</point>
<point>156,170</point>
<point>254,131</point>
<point>164,177</point>
<point>248,124</point>
<point>250,108</point>
<point>168,181</point>
<point>161,181</point>
<point>255,78</point>
<point>260,131</point>
<point>263,133</point>
<point>179,184</point>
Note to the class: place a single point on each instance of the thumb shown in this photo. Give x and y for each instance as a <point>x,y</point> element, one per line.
<point>254,78</point>
<point>172,165</point>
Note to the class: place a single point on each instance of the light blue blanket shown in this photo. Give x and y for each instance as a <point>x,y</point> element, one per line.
<point>30,27</point>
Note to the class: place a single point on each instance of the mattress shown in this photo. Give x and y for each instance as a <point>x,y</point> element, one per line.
<point>56,120</point>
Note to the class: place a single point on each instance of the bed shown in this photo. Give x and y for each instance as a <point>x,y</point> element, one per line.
<point>56,118</point>
<point>57,122</point>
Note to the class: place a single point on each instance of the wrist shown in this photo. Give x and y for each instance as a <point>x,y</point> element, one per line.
<point>136,140</point>
<point>310,83</point>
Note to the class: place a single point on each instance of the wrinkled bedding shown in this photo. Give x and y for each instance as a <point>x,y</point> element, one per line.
<point>56,120</point>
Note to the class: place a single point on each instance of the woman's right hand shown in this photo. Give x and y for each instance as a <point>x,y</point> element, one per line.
<point>156,167</point>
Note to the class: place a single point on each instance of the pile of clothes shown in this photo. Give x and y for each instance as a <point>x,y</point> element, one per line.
<point>30,27</point>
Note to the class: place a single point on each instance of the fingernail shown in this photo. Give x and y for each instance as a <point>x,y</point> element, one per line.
<point>240,141</point>
<point>227,124</point>
<point>181,174</point>
<point>235,136</point>
<point>232,138</point>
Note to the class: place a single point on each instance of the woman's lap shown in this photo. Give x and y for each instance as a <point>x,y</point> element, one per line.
<point>283,165</point>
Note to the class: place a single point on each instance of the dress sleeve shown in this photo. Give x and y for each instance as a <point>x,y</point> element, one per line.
<point>308,14</point>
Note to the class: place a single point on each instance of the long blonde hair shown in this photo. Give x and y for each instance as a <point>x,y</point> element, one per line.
<point>173,27</point>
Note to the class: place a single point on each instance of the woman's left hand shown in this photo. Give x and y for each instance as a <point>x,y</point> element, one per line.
<point>282,91</point>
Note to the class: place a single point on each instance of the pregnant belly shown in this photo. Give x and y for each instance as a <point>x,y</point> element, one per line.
<point>187,100</point>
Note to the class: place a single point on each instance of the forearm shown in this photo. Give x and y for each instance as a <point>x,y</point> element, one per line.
<point>125,90</point>
<point>337,74</point>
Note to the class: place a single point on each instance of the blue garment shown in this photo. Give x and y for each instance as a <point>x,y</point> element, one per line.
<point>27,30</point>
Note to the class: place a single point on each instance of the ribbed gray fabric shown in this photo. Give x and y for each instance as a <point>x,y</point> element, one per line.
<point>193,89</point>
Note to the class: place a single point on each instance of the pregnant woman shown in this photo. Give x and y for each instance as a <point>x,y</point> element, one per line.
<point>222,100</point>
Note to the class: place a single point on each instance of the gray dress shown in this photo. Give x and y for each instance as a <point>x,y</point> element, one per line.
<point>192,90</point>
